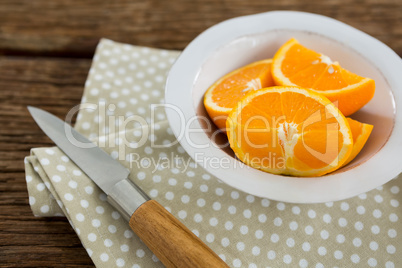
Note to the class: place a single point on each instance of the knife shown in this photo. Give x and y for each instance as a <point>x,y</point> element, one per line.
<point>172,242</point>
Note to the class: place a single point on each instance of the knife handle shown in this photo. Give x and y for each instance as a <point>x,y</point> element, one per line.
<point>172,242</point>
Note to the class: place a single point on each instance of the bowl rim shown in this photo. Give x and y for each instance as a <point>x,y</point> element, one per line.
<point>366,176</point>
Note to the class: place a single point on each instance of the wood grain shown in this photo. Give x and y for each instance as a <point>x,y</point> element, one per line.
<point>172,242</point>
<point>67,28</point>
<point>45,52</point>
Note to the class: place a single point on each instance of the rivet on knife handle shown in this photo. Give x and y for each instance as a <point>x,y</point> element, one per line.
<point>172,242</point>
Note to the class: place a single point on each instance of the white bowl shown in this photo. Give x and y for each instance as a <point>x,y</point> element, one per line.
<point>236,42</point>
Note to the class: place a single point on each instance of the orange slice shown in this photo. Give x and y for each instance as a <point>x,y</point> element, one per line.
<point>290,131</point>
<point>295,65</point>
<point>223,95</point>
<point>360,132</point>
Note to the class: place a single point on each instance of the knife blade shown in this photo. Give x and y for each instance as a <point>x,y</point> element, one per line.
<point>172,242</point>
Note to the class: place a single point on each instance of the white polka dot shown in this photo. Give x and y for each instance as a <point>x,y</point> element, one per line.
<point>65,158</point>
<point>344,206</point>
<point>290,242</point>
<point>327,218</point>
<point>287,259</point>
<point>40,187</point>
<point>357,242</point>
<point>375,229</point>
<point>61,168</point>
<point>45,161</point>
<point>72,184</point>
<point>271,255</point>
<point>280,206</point>
<point>306,246</point>
<point>293,226</point>
<point>359,226</point>
<point>77,172</point>
<point>56,178</point>
<point>124,248</point>
<point>324,234</point>
<point>68,197</point>
<point>312,214</point>
<point>373,245</point>
<point>377,213</point>
<point>234,195</point>
<point>262,218</point>
<point>250,198</point>
<point>84,203</point>
<point>115,215</point>
<point>232,209</point>
<point>80,217</point>
<point>372,262</point>
<point>28,178</point>
<point>210,238</point>
<point>169,196</point>
<point>342,222</point>
<point>274,238</point>
<point>296,210</point>
<point>225,242</point>
<point>265,202</point>
<point>228,225</point>
<point>340,238</point>
<point>322,251</point>
<point>277,221</point>
<point>185,199</point>
<point>237,263</point>
<point>392,233</point>
<point>394,203</point>
<point>303,263</point>
<point>243,229</point>
<point>128,234</point>
<point>153,193</point>
<point>378,198</point>
<point>255,251</point>
<point>355,258</point>
<point>360,210</point>
<point>32,200</point>
<point>338,254</point>
<point>44,209</point>
<point>120,262</point>
<point>89,189</point>
<point>92,237</point>
<point>247,213</point>
<point>204,188</point>
<point>198,217</point>
<point>104,257</point>
<point>393,217</point>
<point>213,221</point>
<point>216,206</point>
<point>391,249</point>
<point>309,230</point>
<point>389,264</point>
<point>395,189</point>
<point>108,243</point>
<point>112,229</point>
<point>49,151</point>
<point>140,253</point>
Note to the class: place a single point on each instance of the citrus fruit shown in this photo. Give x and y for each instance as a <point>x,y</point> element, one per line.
<point>223,95</point>
<point>290,131</point>
<point>360,133</point>
<point>295,65</point>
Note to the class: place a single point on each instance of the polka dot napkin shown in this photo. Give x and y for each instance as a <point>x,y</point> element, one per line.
<point>244,230</point>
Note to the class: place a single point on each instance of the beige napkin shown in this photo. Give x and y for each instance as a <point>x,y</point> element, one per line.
<point>244,230</point>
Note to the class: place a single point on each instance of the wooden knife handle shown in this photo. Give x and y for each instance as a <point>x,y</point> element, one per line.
<point>172,242</point>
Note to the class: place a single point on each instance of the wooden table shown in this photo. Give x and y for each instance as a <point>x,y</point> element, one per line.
<point>45,53</point>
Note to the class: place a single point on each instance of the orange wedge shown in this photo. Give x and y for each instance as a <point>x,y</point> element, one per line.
<point>360,132</point>
<point>223,95</point>
<point>290,131</point>
<point>295,65</point>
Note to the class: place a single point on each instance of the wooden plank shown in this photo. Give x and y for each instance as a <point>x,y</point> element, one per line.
<point>56,85</point>
<point>73,28</point>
